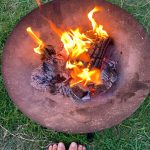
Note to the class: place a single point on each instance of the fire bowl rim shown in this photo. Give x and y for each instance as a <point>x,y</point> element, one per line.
<point>91,119</point>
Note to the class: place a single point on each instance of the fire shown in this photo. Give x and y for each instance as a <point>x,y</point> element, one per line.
<point>90,16</point>
<point>85,76</point>
<point>41,45</point>
<point>76,44</point>
<point>98,29</point>
<point>69,65</point>
<point>88,75</point>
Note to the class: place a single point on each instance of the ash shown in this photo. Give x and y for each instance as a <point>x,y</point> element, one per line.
<point>41,78</point>
<point>52,76</point>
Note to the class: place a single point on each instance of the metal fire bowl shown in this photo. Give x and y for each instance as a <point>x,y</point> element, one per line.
<point>61,113</point>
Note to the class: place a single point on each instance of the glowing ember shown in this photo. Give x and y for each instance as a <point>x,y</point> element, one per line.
<point>85,76</point>
<point>69,65</point>
<point>40,48</point>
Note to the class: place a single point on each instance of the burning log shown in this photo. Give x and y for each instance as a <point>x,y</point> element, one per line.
<point>48,52</point>
<point>98,52</point>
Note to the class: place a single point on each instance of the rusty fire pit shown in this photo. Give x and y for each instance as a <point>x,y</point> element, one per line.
<point>130,45</point>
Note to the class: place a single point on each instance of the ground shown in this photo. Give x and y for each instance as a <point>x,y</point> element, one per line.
<point>17,132</point>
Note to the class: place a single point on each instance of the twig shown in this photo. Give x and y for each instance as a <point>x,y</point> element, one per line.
<point>19,137</point>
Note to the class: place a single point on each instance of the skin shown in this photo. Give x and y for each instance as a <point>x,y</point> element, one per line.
<point>61,146</point>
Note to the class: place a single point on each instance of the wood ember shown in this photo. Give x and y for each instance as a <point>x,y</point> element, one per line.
<point>48,52</point>
<point>79,95</point>
<point>98,51</point>
<point>79,92</point>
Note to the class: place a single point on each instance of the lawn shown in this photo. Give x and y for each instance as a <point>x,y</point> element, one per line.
<point>17,132</point>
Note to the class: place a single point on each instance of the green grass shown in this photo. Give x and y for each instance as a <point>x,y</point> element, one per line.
<point>17,132</point>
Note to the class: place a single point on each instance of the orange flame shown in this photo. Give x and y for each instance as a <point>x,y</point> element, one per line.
<point>90,16</point>
<point>40,48</point>
<point>97,28</point>
<point>85,76</point>
<point>76,44</point>
<point>54,28</point>
<point>69,65</point>
<point>38,2</point>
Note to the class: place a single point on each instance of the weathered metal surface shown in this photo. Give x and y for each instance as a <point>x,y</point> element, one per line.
<point>58,112</point>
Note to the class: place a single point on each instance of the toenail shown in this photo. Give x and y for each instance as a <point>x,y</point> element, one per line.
<point>73,145</point>
<point>61,144</point>
<point>84,148</point>
<point>80,147</point>
<point>54,146</point>
<point>50,147</point>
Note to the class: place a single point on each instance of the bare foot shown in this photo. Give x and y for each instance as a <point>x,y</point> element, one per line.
<point>60,146</point>
<point>74,146</point>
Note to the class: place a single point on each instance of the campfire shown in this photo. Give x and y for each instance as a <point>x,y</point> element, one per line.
<point>83,69</point>
<point>89,52</point>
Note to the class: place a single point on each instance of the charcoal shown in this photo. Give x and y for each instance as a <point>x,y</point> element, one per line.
<point>64,89</point>
<point>80,100</point>
<point>109,74</point>
<point>78,91</point>
<point>97,53</point>
<point>59,64</point>
<point>87,97</point>
<point>60,78</point>
<point>43,77</point>
<point>49,51</point>
<point>47,68</point>
<point>55,61</point>
<point>40,78</point>
<point>75,97</point>
<point>108,85</point>
<point>46,77</point>
<point>80,95</point>
<point>53,89</point>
